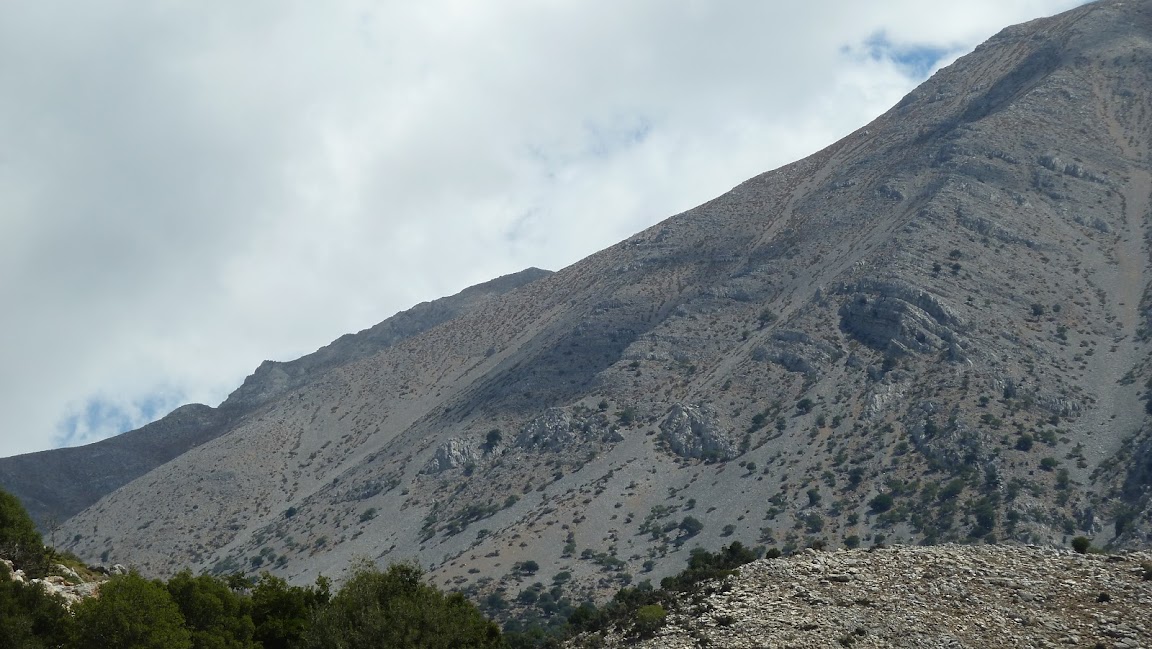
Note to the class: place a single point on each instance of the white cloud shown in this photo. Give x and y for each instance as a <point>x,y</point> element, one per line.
<point>187,188</point>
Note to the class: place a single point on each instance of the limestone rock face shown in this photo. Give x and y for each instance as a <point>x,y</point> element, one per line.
<point>892,316</point>
<point>551,430</point>
<point>452,454</point>
<point>693,431</point>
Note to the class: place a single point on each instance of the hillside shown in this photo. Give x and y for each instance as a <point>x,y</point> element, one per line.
<point>934,330</point>
<point>942,596</point>
<point>54,485</point>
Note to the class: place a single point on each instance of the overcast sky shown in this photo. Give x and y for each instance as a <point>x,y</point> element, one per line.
<point>189,188</point>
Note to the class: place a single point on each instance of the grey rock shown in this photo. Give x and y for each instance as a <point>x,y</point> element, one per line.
<point>452,454</point>
<point>552,430</point>
<point>695,432</point>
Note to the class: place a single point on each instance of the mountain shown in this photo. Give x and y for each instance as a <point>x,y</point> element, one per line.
<point>54,485</point>
<point>936,329</point>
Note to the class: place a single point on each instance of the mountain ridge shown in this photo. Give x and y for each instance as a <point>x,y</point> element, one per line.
<point>56,484</point>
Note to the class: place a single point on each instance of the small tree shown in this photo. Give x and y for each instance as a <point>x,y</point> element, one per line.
<point>19,540</point>
<point>1081,544</point>
<point>492,440</point>
<point>881,503</point>
<point>690,526</point>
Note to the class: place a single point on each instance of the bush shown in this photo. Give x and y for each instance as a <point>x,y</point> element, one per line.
<point>1082,544</point>
<point>217,617</point>
<point>690,526</point>
<point>131,612</point>
<point>281,612</point>
<point>649,619</point>
<point>395,609</point>
<point>881,503</point>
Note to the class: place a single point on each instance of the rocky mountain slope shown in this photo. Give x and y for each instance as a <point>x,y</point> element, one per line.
<point>936,329</point>
<point>54,485</point>
<point>921,597</point>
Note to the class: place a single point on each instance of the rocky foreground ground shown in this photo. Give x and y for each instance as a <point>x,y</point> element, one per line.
<point>925,597</point>
<point>63,581</point>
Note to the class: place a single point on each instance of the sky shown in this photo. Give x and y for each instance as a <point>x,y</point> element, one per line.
<point>188,188</point>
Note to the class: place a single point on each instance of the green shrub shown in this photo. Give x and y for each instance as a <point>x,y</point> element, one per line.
<point>131,613</point>
<point>1082,544</point>
<point>396,609</point>
<point>881,503</point>
<point>649,620</point>
<point>216,616</point>
<point>281,612</point>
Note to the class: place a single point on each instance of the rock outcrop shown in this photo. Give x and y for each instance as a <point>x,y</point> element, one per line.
<point>63,582</point>
<point>695,432</point>
<point>552,430</point>
<point>452,454</point>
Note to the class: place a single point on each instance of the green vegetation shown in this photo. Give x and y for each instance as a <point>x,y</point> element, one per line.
<point>396,609</point>
<point>649,619</point>
<point>19,540</point>
<point>30,617</point>
<point>132,612</point>
<point>375,608</point>
<point>1082,544</point>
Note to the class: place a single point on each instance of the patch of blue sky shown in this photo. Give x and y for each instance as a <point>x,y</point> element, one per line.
<point>606,138</point>
<point>101,418</point>
<point>915,60</point>
<point>596,139</point>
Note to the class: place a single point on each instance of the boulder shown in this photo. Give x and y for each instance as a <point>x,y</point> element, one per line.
<point>67,573</point>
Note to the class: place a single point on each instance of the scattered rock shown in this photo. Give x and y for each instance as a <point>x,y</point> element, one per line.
<point>924,597</point>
